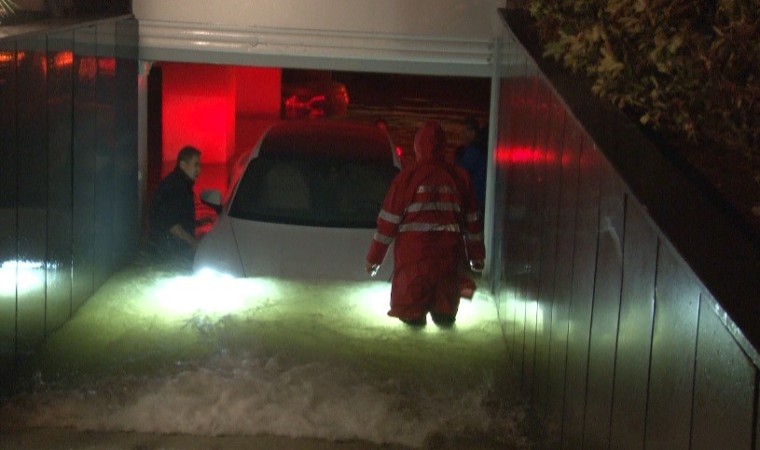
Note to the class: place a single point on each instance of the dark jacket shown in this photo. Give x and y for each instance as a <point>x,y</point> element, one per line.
<point>173,203</point>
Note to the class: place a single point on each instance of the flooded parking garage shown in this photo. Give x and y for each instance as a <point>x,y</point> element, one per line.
<point>158,352</point>
<point>156,358</point>
<point>624,374</point>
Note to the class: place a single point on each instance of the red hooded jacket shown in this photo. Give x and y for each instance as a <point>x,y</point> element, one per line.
<point>429,211</point>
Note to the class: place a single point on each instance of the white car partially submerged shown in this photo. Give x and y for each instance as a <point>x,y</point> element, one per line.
<point>304,205</point>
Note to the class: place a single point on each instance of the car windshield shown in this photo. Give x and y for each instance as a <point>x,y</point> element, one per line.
<point>325,191</point>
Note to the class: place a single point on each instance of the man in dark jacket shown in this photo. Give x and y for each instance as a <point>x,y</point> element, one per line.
<point>429,209</point>
<point>172,212</point>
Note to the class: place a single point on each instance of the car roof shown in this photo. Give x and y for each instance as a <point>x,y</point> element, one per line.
<point>327,139</point>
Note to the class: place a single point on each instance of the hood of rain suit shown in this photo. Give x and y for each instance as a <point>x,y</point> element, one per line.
<point>430,142</point>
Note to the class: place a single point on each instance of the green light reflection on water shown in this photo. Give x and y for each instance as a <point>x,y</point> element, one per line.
<point>143,320</point>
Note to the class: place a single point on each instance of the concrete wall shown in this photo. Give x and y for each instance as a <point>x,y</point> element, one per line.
<point>615,339</point>
<point>68,174</point>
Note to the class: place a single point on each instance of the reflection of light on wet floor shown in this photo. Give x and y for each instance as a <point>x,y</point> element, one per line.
<point>371,301</point>
<point>212,293</point>
<point>207,293</point>
<point>210,354</point>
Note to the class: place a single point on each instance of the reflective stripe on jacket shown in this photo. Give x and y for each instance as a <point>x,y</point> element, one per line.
<point>429,197</point>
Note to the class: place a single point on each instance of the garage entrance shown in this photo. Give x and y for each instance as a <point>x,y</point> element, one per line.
<point>302,362</point>
<point>223,110</point>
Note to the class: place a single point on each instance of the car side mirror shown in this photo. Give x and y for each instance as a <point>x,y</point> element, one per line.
<point>212,198</point>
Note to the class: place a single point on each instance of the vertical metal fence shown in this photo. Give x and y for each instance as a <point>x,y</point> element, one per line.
<point>616,340</point>
<point>68,165</point>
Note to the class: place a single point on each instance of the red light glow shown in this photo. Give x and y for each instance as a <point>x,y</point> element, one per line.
<point>198,110</point>
<point>63,59</point>
<point>88,68</point>
<point>43,63</point>
<point>569,158</point>
<point>516,155</point>
<point>211,107</point>
<point>107,66</point>
<point>525,155</point>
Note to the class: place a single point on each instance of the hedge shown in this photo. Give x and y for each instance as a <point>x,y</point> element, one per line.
<point>688,70</point>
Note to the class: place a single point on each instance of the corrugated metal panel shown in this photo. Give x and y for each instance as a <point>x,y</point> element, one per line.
<point>584,258</point>
<point>724,387</point>
<point>60,162</point>
<point>126,219</point>
<point>8,206</point>
<point>640,355</point>
<point>552,178</point>
<point>671,375</point>
<point>507,114</point>
<point>60,54</point>
<point>32,189</point>
<point>604,320</point>
<point>517,236</point>
<point>570,163</point>
<point>628,419</point>
<point>105,151</point>
<point>512,113</point>
<point>85,148</point>
<point>533,229</point>
<point>126,208</point>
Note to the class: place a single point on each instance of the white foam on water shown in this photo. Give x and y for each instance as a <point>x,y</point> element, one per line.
<point>231,396</point>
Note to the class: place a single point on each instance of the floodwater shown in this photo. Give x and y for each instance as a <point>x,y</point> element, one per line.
<point>159,359</point>
<point>177,359</point>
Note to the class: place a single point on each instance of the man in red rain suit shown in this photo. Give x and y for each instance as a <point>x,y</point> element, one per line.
<point>428,210</point>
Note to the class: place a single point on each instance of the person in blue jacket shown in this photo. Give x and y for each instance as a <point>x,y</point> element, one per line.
<point>473,157</point>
